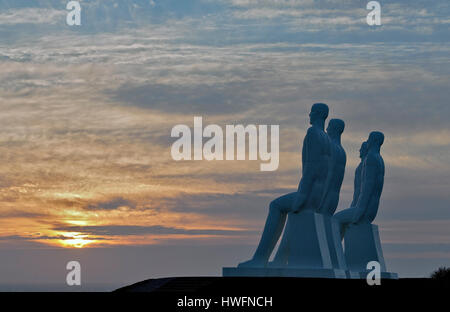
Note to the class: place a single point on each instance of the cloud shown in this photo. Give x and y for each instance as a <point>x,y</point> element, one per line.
<point>22,214</point>
<point>126,230</point>
<point>41,238</point>
<point>31,16</point>
<point>112,204</point>
<point>434,232</point>
<point>87,113</point>
<point>191,99</point>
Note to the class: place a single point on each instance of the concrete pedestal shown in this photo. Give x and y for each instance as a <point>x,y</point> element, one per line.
<point>307,241</point>
<point>283,272</point>
<point>363,245</point>
<point>305,247</point>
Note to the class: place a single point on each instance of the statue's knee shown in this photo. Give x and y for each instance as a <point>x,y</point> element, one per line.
<point>338,216</point>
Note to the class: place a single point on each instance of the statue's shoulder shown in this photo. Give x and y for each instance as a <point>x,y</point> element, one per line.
<point>311,131</point>
<point>316,133</point>
<point>311,134</point>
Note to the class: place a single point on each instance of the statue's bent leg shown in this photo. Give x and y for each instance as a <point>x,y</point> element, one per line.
<point>345,218</point>
<point>276,219</point>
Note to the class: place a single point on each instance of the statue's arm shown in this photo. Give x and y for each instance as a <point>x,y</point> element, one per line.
<point>368,181</point>
<point>356,186</point>
<point>310,153</point>
<point>331,169</point>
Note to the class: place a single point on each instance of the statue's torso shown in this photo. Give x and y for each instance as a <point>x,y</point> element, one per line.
<point>339,159</point>
<point>336,172</point>
<point>357,183</point>
<point>374,200</point>
<point>318,157</point>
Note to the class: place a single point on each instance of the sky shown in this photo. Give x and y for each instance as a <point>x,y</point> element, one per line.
<point>86,115</point>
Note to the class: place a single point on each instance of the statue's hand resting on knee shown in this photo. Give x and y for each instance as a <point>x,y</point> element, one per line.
<point>357,216</point>
<point>299,202</point>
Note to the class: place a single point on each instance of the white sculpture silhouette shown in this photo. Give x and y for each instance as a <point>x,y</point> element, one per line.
<point>315,158</point>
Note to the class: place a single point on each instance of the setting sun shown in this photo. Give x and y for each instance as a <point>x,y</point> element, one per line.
<point>75,240</point>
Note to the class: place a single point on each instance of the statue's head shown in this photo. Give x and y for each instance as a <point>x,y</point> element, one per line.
<point>335,127</point>
<point>376,139</point>
<point>363,150</point>
<point>319,111</point>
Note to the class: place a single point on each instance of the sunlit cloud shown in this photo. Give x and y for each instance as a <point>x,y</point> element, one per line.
<point>86,117</point>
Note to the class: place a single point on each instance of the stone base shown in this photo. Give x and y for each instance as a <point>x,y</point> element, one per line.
<point>363,245</point>
<point>283,272</point>
<point>306,243</point>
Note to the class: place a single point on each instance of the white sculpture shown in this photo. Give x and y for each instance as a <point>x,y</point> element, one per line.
<point>362,240</point>
<point>330,198</point>
<point>311,243</point>
<point>315,158</point>
<point>336,168</point>
<point>294,253</point>
<point>371,186</point>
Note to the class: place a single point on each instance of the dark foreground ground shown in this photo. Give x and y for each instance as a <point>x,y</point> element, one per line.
<point>248,294</point>
<point>287,294</point>
<point>268,285</point>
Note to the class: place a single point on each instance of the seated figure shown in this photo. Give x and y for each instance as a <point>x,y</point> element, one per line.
<point>315,158</point>
<point>336,168</point>
<point>361,237</point>
<point>368,192</point>
<point>330,196</point>
<point>357,181</point>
